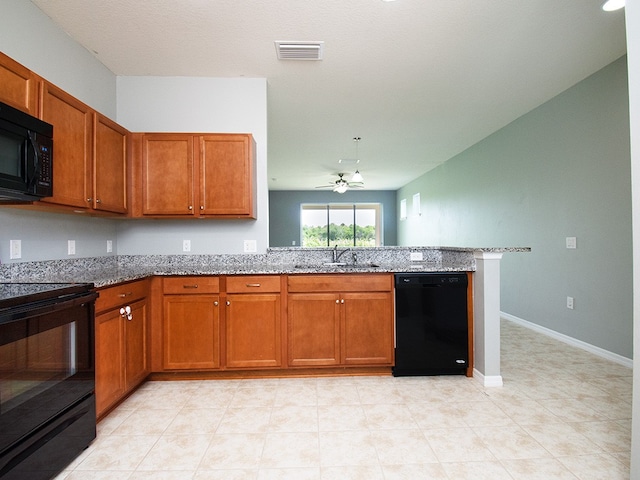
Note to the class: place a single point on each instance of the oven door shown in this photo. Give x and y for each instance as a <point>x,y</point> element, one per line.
<point>46,372</point>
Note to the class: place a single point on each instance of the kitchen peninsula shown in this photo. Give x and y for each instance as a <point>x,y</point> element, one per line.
<point>182,284</point>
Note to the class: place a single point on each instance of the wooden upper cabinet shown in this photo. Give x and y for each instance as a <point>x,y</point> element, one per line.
<point>18,85</point>
<point>195,175</point>
<point>109,166</point>
<point>72,135</point>
<point>167,174</point>
<point>227,171</point>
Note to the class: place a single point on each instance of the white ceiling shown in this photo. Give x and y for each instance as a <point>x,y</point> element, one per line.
<point>418,80</point>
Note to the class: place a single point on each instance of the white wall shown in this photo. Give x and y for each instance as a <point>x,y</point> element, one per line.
<point>28,36</point>
<point>188,104</point>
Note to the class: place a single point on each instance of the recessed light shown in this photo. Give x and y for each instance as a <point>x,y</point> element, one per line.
<point>611,5</point>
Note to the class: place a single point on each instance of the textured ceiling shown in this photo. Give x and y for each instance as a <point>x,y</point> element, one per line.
<point>418,80</point>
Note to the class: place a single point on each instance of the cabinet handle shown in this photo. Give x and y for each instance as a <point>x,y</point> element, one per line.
<point>215,304</point>
<point>126,294</point>
<point>252,284</point>
<point>195,285</point>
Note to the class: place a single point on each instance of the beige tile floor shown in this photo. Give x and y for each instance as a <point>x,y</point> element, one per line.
<point>562,414</point>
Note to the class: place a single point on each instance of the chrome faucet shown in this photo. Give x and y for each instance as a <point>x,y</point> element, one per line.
<point>336,255</point>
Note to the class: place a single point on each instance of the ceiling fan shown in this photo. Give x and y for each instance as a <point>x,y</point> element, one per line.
<point>341,185</point>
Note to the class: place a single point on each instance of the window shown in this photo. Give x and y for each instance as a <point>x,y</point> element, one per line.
<point>346,225</point>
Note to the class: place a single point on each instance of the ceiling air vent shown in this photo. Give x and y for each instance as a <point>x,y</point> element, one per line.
<point>299,50</point>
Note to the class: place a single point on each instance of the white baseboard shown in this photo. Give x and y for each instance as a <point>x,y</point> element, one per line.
<point>600,352</point>
<point>489,380</point>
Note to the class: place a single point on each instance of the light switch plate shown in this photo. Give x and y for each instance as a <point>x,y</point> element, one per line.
<point>186,245</point>
<point>109,246</point>
<point>71,247</point>
<point>571,242</point>
<point>250,246</point>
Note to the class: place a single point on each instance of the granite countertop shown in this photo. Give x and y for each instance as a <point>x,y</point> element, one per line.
<point>105,271</point>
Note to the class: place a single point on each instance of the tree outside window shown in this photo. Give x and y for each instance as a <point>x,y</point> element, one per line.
<point>345,225</point>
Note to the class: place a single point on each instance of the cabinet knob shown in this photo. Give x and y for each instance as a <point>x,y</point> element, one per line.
<point>89,199</point>
<point>201,207</point>
<point>125,312</point>
<point>337,301</point>
<point>342,301</point>
<point>125,294</point>
<point>215,303</point>
<point>98,200</point>
<point>190,207</point>
<point>228,302</point>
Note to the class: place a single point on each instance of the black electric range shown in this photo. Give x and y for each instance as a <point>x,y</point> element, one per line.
<point>14,294</point>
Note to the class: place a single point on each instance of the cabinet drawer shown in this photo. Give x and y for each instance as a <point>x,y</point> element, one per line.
<point>348,282</point>
<point>194,285</point>
<point>253,283</point>
<point>111,297</point>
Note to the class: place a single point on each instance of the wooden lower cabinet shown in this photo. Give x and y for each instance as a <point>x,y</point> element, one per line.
<point>313,324</point>
<point>367,328</point>
<point>191,332</point>
<point>252,333</point>
<point>191,323</point>
<point>121,343</point>
<point>333,321</point>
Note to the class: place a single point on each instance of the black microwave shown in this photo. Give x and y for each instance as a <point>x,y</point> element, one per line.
<point>26,157</point>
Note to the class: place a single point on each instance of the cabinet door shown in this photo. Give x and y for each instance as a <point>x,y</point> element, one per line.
<point>313,334</point>
<point>17,85</point>
<point>191,332</point>
<point>253,331</point>
<point>109,166</point>
<point>72,125</point>
<point>110,376</point>
<point>167,174</point>
<point>367,328</point>
<point>136,359</point>
<point>227,185</point>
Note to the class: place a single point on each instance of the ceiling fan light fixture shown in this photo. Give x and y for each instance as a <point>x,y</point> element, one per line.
<point>357,177</point>
<point>341,188</point>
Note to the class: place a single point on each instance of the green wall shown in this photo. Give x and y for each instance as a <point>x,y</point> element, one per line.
<point>561,170</point>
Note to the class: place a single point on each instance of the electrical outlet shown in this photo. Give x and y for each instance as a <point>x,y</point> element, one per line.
<point>15,249</point>
<point>250,246</point>
<point>570,303</point>
<point>416,256</point>
<point>571,242</point>
<point>186,245</point>
<point>109,246</point>
<point>71,247</point>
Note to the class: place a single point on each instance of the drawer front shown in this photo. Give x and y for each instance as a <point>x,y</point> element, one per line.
<point>253,284</point>
<point>191,285</point>
<point>125,293</point>
<point>348,282</point>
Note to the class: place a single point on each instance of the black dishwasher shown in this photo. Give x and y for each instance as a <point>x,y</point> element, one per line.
<point>431,324</point>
